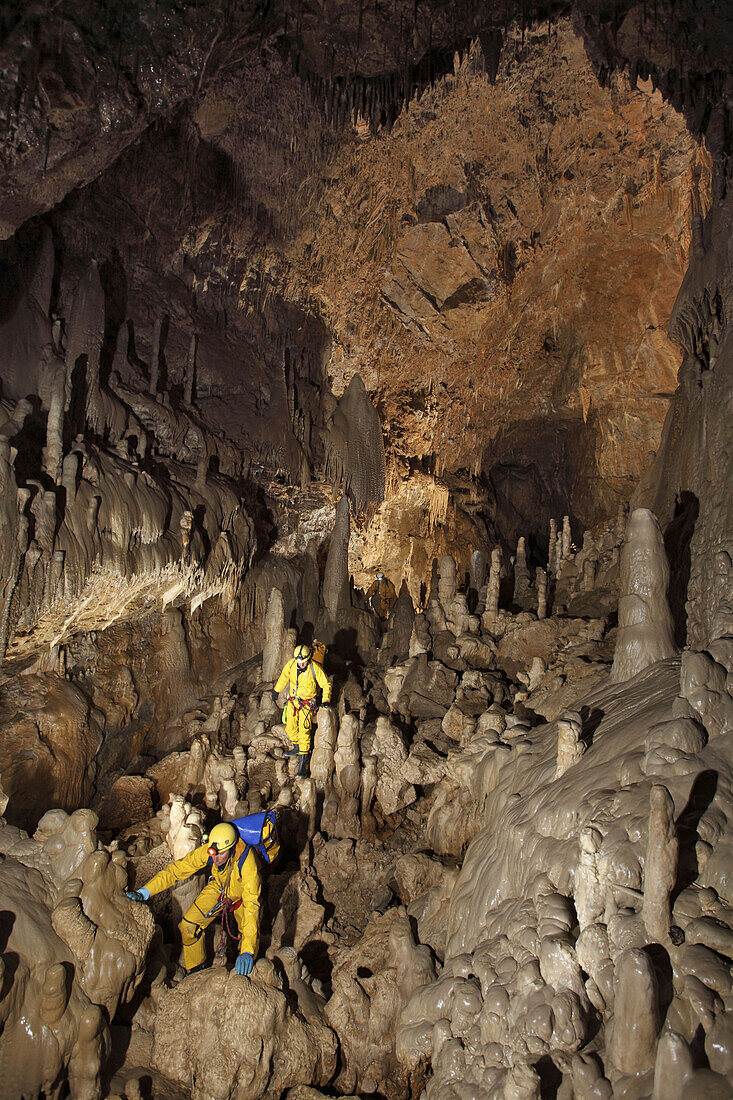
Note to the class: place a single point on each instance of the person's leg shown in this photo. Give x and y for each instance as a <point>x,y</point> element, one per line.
<point>304,740</point>
<point>304,729</point>
<point>291,728</point>
<point>192,926</point>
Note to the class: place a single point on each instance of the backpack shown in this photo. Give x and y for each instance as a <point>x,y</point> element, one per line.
<point>259,831</point>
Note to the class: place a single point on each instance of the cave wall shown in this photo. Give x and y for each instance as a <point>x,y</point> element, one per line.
<point>692,473</point>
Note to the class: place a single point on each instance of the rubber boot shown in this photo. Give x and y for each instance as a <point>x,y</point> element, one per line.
<point>293,750</point>
<point>195,969</point>
<point>303,759</point>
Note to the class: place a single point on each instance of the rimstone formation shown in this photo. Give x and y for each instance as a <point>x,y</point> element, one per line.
<point>289,298</point>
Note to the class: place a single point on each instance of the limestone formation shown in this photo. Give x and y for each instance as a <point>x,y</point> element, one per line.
<point>368,787</point>
<point>274,626</point>
<point>260,1045</point>
<point>447,583</point>
<point>660,865</point>
<point>347,777</point>
<point>570,747</point>
<point>645,624</point>
<point>551,562</point>
<point>521,573</point>
<point>492,592</point>
<point>378,315</point>
<point>392,792</point>
<point>336,575</point>
<point>566,537</point>
<point>633,1041</point>
<point>541,586</point>
<point>324,746</point>
<point>79,952</point>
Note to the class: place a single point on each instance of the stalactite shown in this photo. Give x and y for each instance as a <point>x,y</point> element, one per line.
<point>438,506</point>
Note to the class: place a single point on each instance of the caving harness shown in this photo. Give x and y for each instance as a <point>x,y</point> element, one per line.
<point>298,703</point>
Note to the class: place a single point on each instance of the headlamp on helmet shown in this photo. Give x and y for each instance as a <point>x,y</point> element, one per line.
<point>221,838</point>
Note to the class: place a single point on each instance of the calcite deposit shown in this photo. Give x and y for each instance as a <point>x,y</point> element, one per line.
<point>292,295</point>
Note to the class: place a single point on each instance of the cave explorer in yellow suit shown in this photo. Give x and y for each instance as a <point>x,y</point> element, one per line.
<point>382,596</point>
<point>304,676</point>
<point>234,887</point>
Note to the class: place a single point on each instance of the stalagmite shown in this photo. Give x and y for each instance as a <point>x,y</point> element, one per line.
<point>347,777</point>
<point>54,997</point>
<point>273,629</point>
<point>570,748</point>
<point>477,572</point>
<point>541,584</point>
<point>368,787</point>
<point>673,1068</point>
<point>324,745</point>
<point>551,562</point>
<point>660,865</point>
<point>589,890</point>
<point>492,592</point>
<point>336,573</point>
<point>633,1040</point>
<point>645,633</point>
<point>566,539</point>
<point>155,358</point>
<point>188,389</point>
<point>521,572</point>
<point>447,584</point>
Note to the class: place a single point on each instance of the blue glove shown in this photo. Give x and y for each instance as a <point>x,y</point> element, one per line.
<point>244,964</point>
<point>275,697</point>
<point>138,895</point>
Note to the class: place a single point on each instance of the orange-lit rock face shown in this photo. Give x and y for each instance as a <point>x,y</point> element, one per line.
<point>501,270</point>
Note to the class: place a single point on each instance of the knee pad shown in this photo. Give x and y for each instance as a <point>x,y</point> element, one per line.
<point>190,931</point>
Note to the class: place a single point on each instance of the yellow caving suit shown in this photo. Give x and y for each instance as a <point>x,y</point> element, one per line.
<point>302,702</point>
<point>383,597</point>
<point>228,881</point>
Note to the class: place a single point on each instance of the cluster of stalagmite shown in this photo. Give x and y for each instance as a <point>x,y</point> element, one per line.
<point>540,937</point>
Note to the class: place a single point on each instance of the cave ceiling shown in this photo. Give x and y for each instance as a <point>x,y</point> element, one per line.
<point>483,210</point>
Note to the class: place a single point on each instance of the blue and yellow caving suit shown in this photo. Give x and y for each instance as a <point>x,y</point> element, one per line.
<point>302,703</point>
<point>236,885</point>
